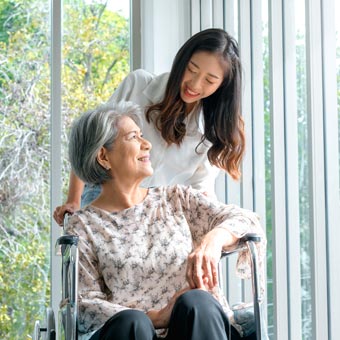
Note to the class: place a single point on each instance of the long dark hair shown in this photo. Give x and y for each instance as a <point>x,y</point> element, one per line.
<point>224,126</point>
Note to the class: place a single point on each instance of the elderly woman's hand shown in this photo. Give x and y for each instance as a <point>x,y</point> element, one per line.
<point>160,318</point>
<point>202,264</point>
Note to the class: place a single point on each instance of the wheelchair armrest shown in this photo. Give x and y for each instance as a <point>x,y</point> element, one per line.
<point>249,237</point>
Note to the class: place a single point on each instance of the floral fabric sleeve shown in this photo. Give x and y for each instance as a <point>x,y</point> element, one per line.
<point>94,309</point>
<point>203,214</point>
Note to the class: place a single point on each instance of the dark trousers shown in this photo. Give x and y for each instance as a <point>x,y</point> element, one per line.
<point>196,316</point>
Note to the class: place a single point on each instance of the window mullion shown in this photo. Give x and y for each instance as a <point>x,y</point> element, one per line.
<point>316,170</point>
<point>279,237</point>
<point>331,162</point>
<point>55,131</point>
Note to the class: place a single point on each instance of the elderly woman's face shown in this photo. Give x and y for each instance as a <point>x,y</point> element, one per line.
<point>130,154</point>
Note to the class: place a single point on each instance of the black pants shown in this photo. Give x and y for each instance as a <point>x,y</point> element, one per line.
<point>196,316</point>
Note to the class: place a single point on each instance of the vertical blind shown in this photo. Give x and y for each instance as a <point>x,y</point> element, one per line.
<point>302,283</point>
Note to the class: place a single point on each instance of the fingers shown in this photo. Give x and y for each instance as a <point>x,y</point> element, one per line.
<point>60,211</point>
<point>161,318</point>
<point>207,271</point>
<point>210,269</point>
<point>202,271</point>
<point>195,272</point>
<point>198,274</point>
<point>189,273</point>
<point>58,215</point>
<point>214,274</point>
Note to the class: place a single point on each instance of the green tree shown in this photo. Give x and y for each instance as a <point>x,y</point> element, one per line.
<point>96,58</point>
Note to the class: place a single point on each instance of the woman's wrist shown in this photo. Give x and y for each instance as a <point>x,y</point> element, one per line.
<point>215,238</point>
<point>153,315</point>
<point>224,237</point>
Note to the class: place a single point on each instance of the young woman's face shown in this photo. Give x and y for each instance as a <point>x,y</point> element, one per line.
<point>203,76</point>
<point>130,155</point>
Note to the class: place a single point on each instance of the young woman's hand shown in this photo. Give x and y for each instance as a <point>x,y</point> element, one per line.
<point>161,318</point>
<point>60,211</point>
<point>76,187</point>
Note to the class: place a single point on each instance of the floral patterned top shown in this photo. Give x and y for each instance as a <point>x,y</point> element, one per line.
<point>136,258</point>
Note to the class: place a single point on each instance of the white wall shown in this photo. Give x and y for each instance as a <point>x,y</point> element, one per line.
<point>163,29</point>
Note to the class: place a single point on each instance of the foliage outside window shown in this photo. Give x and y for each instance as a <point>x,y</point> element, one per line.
<point>95,59</point>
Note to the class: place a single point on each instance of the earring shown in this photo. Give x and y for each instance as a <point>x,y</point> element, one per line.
<point>108,168</point>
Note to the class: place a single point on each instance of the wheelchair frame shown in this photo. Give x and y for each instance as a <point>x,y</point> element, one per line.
<point>249,241</point>
<point>67,246</point>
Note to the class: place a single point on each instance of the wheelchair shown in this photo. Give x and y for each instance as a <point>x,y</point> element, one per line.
<point>67,247</point>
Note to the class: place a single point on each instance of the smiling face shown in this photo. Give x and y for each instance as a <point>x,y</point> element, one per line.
<point>203,76</point>
<point>129,158</point>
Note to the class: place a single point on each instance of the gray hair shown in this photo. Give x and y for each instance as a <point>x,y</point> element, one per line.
<point>93,130</point>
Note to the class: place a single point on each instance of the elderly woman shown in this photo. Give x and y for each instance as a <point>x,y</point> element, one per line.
<point>148,257</point>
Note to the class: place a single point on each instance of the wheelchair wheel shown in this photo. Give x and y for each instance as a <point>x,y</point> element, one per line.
<point>36,334</point>
<point>47,332</point>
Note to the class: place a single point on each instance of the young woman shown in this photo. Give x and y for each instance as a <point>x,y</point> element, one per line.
<point>148,257</point>
<point>192,117</point>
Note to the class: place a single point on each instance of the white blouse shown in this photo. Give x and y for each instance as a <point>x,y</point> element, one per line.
<point>136,258</point>
<point>172,164</point>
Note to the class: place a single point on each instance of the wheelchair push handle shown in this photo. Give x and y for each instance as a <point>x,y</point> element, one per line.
<point>67,216</point>
<point>65,239</point>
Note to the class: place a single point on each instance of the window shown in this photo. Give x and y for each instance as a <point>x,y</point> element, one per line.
<point>290,55</point>
<point>85,66</point>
